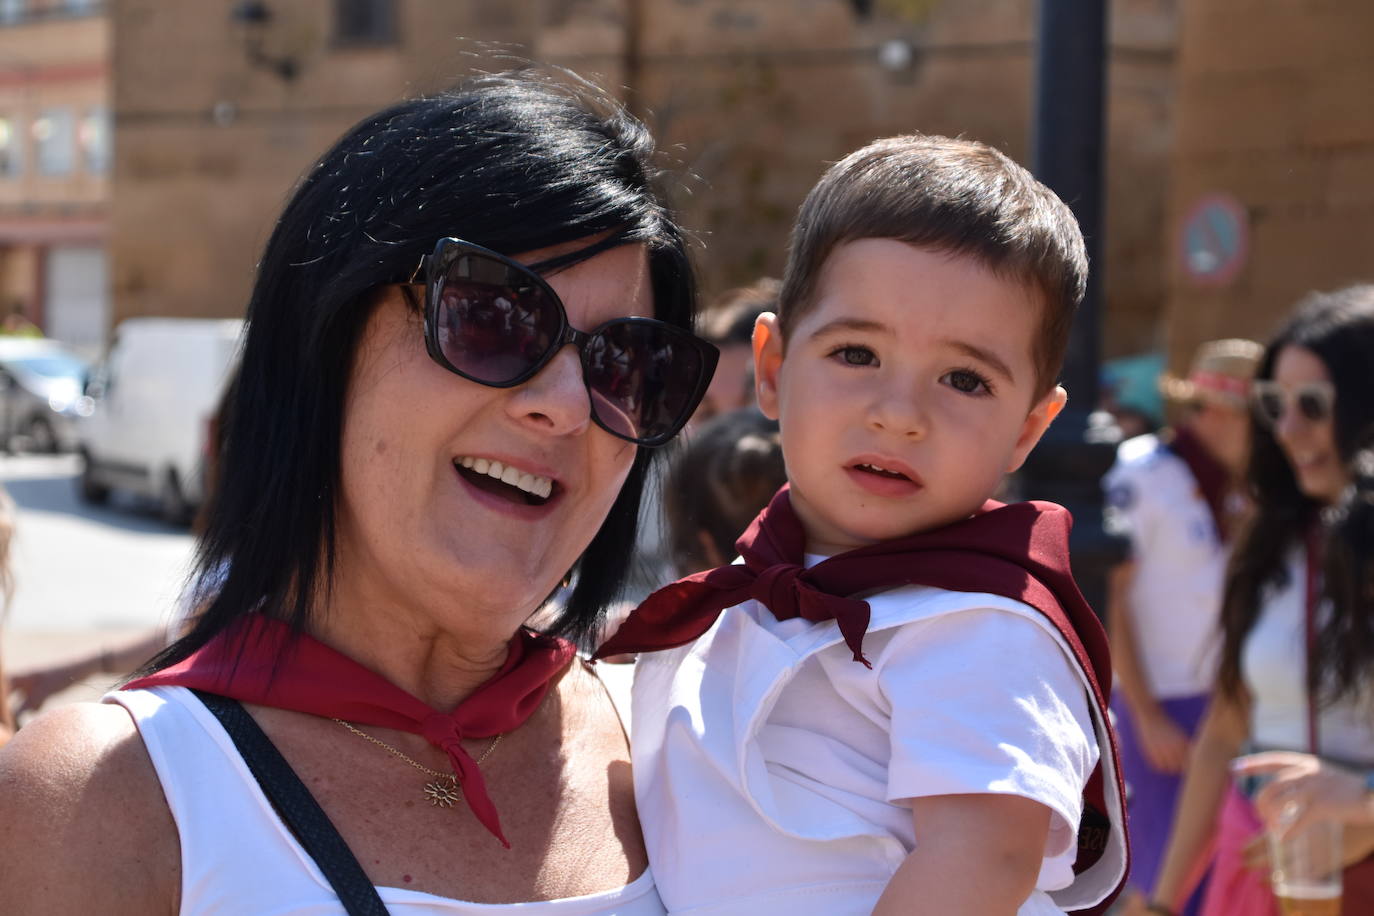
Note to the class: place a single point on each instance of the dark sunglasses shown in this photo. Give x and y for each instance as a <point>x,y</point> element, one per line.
<point>496,322</point>
<point>1315,401</point>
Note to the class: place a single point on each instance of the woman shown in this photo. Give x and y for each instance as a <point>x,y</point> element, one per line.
<point>413,462</point>
<point>1300,574</point>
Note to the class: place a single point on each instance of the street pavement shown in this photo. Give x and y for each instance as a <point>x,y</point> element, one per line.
<point>86,577</point>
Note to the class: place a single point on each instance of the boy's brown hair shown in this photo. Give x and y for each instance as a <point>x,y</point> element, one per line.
<point>956,196</point>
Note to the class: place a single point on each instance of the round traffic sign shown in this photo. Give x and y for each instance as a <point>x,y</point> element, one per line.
<point>1216,240</point>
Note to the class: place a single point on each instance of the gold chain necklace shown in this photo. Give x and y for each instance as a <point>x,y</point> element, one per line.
<point>445,791</point>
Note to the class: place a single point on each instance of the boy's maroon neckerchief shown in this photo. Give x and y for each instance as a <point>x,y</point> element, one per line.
<point>262,660</point>
<point>1018,551</point>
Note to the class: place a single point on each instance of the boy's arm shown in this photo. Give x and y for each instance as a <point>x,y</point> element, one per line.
<point>1164,743</point>
<point>983,859</point>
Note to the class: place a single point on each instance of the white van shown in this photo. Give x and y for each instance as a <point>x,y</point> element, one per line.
<point>154,401</point>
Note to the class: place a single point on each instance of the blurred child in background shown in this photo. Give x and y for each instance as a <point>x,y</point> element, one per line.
<point>731,467</point>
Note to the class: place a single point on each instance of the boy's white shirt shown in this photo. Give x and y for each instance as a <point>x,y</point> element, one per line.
<point>759,783</point>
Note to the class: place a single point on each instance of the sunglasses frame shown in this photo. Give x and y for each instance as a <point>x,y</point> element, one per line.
<point>1290,400</point>
<point>435,266</point>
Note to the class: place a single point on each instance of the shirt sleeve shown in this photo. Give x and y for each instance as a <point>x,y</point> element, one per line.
<point>987,701</point>
<point>1128,503</point>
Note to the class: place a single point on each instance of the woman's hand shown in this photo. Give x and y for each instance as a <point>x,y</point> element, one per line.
<point>1164,743</point>
<point>1306,789</point>
<point>1357,844</point>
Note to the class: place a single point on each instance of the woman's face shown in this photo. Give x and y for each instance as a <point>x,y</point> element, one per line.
<point>1309,445</point>
<point>417,520</point>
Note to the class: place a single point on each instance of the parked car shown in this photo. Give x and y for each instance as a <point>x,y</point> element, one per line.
<point>154,399</point>
<point>40,394</point>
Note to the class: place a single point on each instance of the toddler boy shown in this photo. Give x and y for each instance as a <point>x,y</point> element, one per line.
<point>901,707</point>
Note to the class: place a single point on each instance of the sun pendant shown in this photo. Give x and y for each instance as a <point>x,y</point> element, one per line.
<point>443,794</point>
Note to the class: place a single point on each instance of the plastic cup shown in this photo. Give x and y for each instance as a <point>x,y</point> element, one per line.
<point>1306,870</point>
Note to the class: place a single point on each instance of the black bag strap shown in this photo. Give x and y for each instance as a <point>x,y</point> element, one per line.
<point>297,807</point>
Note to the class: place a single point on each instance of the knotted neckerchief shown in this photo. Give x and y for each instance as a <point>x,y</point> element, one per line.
<point>1213,480</point>
<point>1018,551</point>
<point>262,660</point>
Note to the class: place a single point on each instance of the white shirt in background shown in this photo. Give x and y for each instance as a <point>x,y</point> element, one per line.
<point>1180,566</point>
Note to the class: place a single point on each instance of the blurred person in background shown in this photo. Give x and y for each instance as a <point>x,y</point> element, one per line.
<point>7,513</point>
<point>468,332</point>
<point>724,473</point>
<point>724,476</point>
<point>1178,497</point>
<point>1301,789</point>
<point>729,324</point>
<point>1297,611</point>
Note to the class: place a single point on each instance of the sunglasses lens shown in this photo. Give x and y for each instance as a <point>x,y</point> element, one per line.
<point>1312,405</point>
<point>643,377</point>
<point>1269,404</point>
<point>493,322</point>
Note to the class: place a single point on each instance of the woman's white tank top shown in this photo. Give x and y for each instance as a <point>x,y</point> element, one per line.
<point>239,858</point>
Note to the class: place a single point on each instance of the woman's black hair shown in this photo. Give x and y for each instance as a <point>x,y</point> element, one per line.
<point>515,162</point>
<point>729,470</point>
<point>1337,327</point>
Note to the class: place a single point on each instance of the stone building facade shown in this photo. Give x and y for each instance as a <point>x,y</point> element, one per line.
<point>750,99</point>
<point>1274,112</point>
<point>54,166</point>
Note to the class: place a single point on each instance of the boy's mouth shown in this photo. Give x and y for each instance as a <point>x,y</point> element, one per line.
<point>875,469</point>
<point>883,476</point>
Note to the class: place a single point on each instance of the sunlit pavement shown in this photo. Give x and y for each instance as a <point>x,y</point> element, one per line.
<point>86,577</point>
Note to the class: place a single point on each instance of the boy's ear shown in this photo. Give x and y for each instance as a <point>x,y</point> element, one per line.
<point>1041,415</point>
<point>767,363</point>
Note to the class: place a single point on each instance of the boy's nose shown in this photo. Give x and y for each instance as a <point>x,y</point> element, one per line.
<point>898,415</point>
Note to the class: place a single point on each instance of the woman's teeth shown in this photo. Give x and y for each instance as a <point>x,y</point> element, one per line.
<point>530,483</point>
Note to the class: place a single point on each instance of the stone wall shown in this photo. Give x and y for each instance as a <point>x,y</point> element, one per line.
<point>750,100</point>
<point>1275,110</point>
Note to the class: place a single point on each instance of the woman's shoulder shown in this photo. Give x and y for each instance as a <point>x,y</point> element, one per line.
<point>82,814</point>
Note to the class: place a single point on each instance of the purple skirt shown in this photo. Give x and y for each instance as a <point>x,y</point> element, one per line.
<point>1152,793</point>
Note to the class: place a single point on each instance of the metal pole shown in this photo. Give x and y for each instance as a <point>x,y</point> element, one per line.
<point>1067,145</point>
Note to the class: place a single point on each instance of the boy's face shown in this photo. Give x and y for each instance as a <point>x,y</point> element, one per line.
<point>905,393</point>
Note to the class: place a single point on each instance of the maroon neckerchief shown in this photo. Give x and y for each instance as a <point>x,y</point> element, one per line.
<point>1213,480</point>
<point>1019,551</point>
<point>262,660</point>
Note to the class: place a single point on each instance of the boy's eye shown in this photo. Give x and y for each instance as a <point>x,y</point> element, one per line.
<point>855,356</point>
<point>967,381</point>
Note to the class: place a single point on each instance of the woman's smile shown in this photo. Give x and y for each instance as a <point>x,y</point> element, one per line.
<point>506,479</point>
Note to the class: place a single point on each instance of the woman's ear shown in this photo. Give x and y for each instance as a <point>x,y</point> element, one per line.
<point>1041,415</point>
<point>767,363</point>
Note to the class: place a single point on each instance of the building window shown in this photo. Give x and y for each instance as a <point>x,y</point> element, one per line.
<point>11,149</point>
<point>54,135</point>
<point>94,137</point>
<point>364,22</point>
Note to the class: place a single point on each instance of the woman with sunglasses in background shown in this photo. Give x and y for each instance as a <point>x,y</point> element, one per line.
<point>1297,655</point>
<point>469,329</point>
